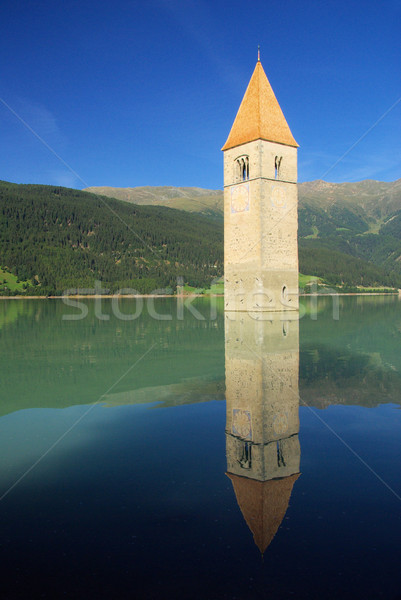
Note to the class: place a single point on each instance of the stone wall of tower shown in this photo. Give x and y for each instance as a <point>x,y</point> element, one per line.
<point>261,228</point>
<point>262,395</point>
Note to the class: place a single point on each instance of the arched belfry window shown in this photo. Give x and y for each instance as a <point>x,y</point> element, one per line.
<point>245,457</point>
<point>242,168</point>
<point>280,455</point>
<point>277,166</point>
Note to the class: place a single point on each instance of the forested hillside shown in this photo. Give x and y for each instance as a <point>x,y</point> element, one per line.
<point>55,238</point>
<point>60,238</point>
<point>349,233</point>
<point>344,270</point>
<point>361,220</point>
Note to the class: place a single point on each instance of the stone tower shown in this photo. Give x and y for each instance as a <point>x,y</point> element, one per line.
<point>260,205</point>
<point>262,399</point>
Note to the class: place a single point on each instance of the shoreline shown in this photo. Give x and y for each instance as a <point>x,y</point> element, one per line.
<point>353,294</point>
<point>183,296</point>
<point>108,296</point>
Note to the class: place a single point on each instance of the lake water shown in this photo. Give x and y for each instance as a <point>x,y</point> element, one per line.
<point>190,458</point>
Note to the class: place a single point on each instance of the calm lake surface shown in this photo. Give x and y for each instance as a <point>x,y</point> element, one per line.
<point>194,458</point>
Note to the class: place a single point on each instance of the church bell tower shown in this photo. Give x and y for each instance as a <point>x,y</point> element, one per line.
<point>260,205</point>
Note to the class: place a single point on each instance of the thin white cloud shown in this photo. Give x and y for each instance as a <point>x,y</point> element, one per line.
<point>39,117</point>
<point>64,178</point>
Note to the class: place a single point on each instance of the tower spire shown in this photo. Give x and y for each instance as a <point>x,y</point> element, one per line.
<point>258,52</point>
<point>259,116</point>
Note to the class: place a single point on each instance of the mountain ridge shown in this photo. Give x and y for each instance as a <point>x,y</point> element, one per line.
<point>325,193</point>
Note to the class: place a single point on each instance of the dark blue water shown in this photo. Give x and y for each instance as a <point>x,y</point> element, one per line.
<point>124,493</point>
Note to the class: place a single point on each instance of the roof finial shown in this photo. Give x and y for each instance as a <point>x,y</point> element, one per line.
<point>258,52</point>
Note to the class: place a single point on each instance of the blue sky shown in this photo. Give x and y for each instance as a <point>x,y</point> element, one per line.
<point>144,93</point>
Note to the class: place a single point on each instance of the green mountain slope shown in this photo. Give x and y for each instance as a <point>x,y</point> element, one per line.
<point>373,201</point>
<point>341,269</point>
<point>348,232</point>
<point>61,238</point>
<point>58,238</point>
<point>360,219</point>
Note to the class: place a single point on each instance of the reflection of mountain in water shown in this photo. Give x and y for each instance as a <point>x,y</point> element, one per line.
<point>263,452</point>
<point>51,363</point>
<point>189,391</point>
<point>328,377</point>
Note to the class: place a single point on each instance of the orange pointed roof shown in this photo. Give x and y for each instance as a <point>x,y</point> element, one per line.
<point>263,505</point>
<point>259,116</point>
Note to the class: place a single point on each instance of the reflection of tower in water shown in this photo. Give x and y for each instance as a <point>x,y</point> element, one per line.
<point>263,452</point>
